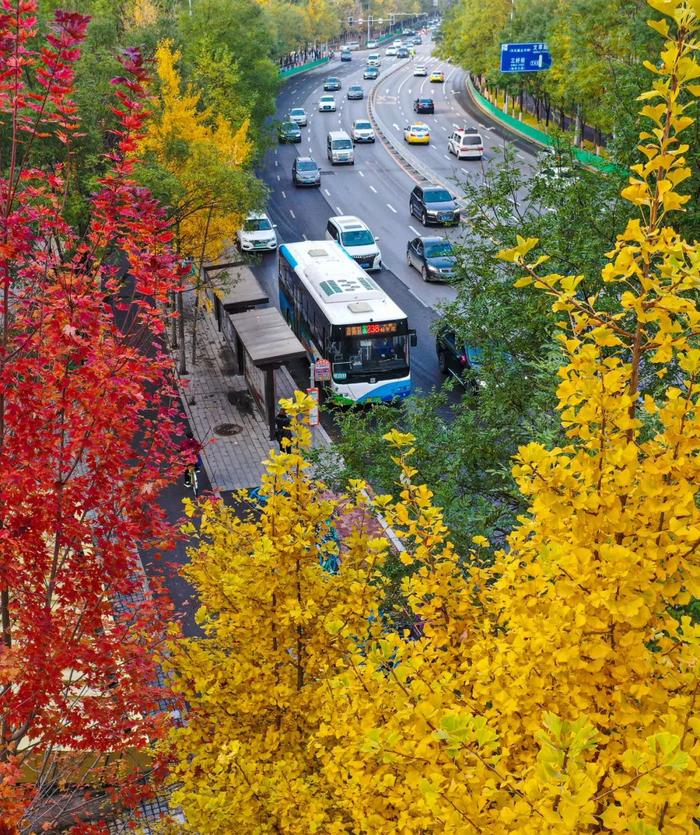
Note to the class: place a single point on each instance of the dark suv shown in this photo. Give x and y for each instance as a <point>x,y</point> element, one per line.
<point>424,106</point>
<point>434,204</point>
<point>455,358</point>
<point>331,84</point>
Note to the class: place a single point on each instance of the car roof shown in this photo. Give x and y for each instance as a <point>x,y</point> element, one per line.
<point>327,96</point>
<point>433,239</point>
<point>257,216</point>
<point>292,109</point>
<point>347,222</point>
<point>305,159</point>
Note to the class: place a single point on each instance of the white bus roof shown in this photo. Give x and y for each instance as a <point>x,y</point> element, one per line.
<point>343,290</point>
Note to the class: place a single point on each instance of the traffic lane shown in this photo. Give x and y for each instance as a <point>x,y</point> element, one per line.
<point>363,189</point>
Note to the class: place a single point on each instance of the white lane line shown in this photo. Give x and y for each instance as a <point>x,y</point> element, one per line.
<point>284,195</point>
<point>396,126</point>
<point>446,156</point>
<point>389,206</point>
<point>373,189</point>
<point>520,156</point>
<point>276,163</point>
<point>360,173</point>
<point>326,192</point>
<point>339,210</point>
<point>292,214</point>
<point>278,178</point>
<point>444,128</point>
<point>304,236</point>
<point>414,230</point>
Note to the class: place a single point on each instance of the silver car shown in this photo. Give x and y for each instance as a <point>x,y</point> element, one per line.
<point>298,115</point>
<point>362,131</point>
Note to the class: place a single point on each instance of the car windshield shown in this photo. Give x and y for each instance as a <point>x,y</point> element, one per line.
<point>290,126</point>
<point>363,125</point>
<point>341,144</point>
<point>427,102</point>
<point>306,165</point>
<point>356,89</point>
<point>297,111</point>
<point>332,81</point>
<point>257,224</point>
<point>438,249</point>
<point>471,140</point>
<point>437,195</point>
<point>327,98</point>
<point>357,237</point>
<point>419,128</point>
<point>363,355</point>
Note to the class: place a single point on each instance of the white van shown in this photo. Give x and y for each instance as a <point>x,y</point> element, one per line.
<point>356,239</point>
<point>466,143</point>
<point>339,148</point>
<point>373,60</point>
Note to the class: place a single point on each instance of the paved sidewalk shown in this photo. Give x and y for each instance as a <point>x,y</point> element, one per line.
<point>209,397</point>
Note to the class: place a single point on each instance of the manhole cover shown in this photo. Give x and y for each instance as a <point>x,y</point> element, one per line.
<point>227,429</point>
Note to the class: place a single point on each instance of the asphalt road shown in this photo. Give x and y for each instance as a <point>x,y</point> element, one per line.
<point>377,187</point>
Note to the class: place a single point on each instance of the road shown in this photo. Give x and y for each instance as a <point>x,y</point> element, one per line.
<point>377,187</point>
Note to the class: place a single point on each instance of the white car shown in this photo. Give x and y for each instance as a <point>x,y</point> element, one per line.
<point>258,234</point>
<point>298,115</point>
<point>466,143</point>
<point>356,239</point>
<point>390,52</point>
<point>362,131</point>
<point>420,70</point>
<point>372,44</point>
<point>326,104</point>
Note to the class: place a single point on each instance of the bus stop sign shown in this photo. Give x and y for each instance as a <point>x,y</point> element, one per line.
<point>525,57</point>
<point>322,370</point>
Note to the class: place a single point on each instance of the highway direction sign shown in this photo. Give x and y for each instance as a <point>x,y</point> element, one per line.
<point>525,57</point>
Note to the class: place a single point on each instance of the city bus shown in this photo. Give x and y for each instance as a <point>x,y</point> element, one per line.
<point>341,314</point>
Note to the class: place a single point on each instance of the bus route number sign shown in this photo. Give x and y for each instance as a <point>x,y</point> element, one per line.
<point>322,370</point>
<point>371,329</point>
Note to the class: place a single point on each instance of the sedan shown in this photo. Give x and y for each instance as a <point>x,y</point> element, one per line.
<point>326,104</point>
<point>417,134</point>
<point>424,106</point>
<point>370,73</point>
<point>332,84</point>
<point>362,131</point>
<point>402,52</point>
<point>437,77</point>
<point>289,132</point>
<point>355,92</point>
<point>434,258</point>
<point>258,234</point>
<point>305,172</point>
<point>420,70</point>
<point>298,115</point>
<point>434,204</point>
<point>390,52</point>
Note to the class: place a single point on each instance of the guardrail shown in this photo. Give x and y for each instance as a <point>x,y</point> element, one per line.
<point>304,67</point>
<point>535,135</point>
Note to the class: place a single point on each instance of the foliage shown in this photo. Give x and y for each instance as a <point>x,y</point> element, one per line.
<point>274,622</point>
<point>86,434</point>
<point>549,687</point>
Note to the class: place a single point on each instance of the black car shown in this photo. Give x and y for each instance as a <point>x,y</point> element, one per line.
<point>331,84</point>
<point>305,172</point>
<point>370,73</point>
<point>402,52</point>
<point>289,132</point>
<point>433,257</point>
<point>434,204</point>
<point>424,106</point>
<point>454,357</point>
<point>355,92</point>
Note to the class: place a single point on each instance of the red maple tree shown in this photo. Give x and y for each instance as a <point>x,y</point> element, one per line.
<point>87,437</point>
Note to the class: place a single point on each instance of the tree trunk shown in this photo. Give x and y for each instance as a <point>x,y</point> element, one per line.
<point>198,286</point>
<point>182,368</point>
<point>578,128</point>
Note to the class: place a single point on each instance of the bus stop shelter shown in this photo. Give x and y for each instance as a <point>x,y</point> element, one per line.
<point>239,289</point>
<point>264,342</point>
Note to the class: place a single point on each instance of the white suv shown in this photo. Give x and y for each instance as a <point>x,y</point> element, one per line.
<point>362,131</point>
<point>258,234</point>
<point>466,143</point>
<point>356,239</point>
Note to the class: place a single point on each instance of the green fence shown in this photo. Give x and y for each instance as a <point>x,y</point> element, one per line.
<point>534,134</point>
<point>303,67</point>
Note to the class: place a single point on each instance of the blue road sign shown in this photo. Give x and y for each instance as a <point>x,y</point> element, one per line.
<point>525,57</point>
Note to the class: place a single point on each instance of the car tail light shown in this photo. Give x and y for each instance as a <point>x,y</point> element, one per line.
<point>463,359</point>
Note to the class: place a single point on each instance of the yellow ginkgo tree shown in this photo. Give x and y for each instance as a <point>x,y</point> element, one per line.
<point>200,166</point>
<point>556,691</point>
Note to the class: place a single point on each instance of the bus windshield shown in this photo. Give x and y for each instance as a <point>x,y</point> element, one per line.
<point>368,355</point>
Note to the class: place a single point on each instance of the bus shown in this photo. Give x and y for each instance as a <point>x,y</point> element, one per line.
<point>341,314</point>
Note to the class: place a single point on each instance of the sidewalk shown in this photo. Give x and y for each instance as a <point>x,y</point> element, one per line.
<point>236,439</point>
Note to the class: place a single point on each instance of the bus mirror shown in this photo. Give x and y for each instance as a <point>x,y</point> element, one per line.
<point>414,337</point>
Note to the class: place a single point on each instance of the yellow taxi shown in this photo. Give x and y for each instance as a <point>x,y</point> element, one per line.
<point>417,134</point>
<point>438,76</point>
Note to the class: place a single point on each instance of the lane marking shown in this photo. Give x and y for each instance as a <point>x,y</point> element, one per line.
<point>292,214</point>
<point>304,236</point>
<point>373,189</point>
<point>339,210</point>
<point>276,162</point>
<point>284,195</point>
<point>278,178</point>
<point>326,192</point>
<point>360,173</point>
<point>389,206</point>
<point>415,231</point>
<point>446,156</point>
